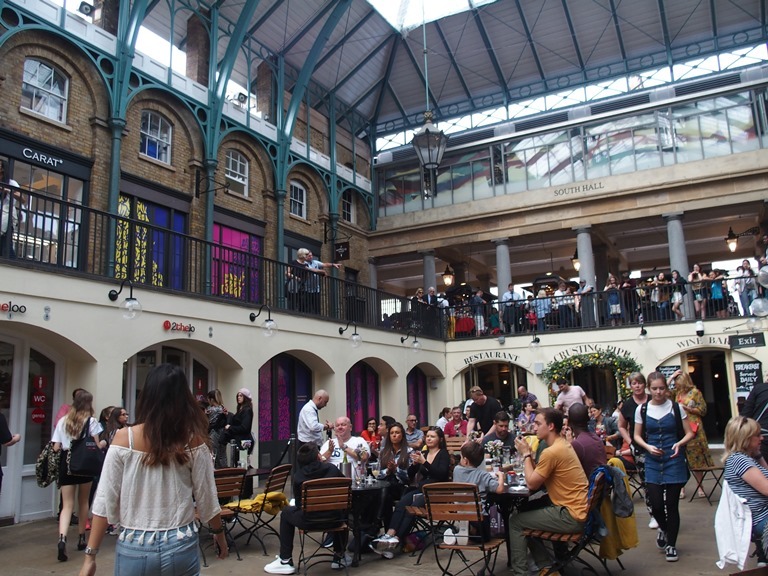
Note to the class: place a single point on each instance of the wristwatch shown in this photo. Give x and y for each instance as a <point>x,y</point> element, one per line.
<point>91,551</point>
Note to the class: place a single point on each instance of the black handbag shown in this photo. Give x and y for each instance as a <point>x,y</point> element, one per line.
<point>85,458</point>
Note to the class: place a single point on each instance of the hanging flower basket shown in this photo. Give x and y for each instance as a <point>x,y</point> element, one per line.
<point>622,367</point>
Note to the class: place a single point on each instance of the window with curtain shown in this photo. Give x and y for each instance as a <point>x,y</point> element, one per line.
<point>416,390</point>
<point>362,395</point>
<point>44,90</point>
<point>235,269</point>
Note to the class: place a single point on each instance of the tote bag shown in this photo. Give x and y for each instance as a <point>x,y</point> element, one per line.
<point>85,458</point>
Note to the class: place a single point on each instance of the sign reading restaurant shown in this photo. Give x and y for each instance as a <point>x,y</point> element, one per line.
<point>491,355</point>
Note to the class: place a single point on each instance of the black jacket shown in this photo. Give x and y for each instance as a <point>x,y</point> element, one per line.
<point>756,407</point>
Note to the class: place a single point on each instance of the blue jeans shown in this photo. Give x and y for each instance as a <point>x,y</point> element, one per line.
<point>144,553</point>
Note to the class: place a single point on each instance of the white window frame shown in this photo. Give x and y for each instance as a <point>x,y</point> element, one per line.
<point>348,207</point>
<point>159,132</point>
<point>298,200</point>
<point>39,92</point>
<point>236,170</point>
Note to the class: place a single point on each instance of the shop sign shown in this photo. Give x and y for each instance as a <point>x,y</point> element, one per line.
<point>747,340</point>
<point>38,416</point>
<point>747,375</point>
<point>489,355</point>
<point>178,327</point>
<point>341,252</point>
<point>44,159</point>
<point>38,399</point>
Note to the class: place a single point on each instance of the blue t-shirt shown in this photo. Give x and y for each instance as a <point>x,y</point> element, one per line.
<point>735,467</point>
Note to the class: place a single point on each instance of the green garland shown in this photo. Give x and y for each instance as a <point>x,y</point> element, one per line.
<point>622,367</point>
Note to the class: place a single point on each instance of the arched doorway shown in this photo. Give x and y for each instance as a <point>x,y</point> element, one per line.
<point>362,395</point>
<point>285,385</point>
<point>497,379</point>
<point>709,372</point>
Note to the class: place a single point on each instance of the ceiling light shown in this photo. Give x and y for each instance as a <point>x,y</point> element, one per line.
<point>448,275</point>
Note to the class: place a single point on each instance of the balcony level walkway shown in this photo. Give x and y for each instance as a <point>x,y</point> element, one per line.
<point>30,550</point>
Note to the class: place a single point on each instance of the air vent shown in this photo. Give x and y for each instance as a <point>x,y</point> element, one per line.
<point>622,103</point>
<point>468,137</point>
<point>404,153</point>
<point>709,84</point>
<point>539,122</point>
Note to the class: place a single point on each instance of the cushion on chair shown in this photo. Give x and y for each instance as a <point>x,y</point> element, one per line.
<point>271,502</point>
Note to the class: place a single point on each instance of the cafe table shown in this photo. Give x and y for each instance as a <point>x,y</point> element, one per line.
<point>366,502</point>
<point>509,501</point>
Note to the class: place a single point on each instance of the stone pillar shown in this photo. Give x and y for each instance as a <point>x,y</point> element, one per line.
<point>587,272</point>
<point>503,268</point>
<point>428,257</point>
<point>678,257</point>
<point>198,50</point>
<point>586,256</point>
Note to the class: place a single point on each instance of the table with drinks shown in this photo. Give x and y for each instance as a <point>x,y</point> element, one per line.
<point>515,493</point>
<point>367,494</point>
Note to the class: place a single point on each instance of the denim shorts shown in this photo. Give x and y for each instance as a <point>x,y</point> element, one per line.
<point>171,552</point>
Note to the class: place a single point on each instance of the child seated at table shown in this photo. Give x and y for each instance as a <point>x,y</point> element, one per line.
<point>469,470</point>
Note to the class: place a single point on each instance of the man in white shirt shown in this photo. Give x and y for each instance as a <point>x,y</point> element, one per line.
<point>355,448</point>
<point>509,312</point>
<point>569,395</point>
<point>310,428</point>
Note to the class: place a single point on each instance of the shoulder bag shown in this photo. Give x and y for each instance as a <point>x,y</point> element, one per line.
<point>84,457</point>
<point>47,466</point>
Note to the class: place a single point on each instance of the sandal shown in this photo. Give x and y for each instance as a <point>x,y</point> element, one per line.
<point>700,493</point>
<point>682,494</point>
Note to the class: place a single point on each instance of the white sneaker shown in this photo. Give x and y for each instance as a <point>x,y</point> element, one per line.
<point>653,525</point>
<point>341,563</point>
<point>388,554</point>
<point>280,566</point>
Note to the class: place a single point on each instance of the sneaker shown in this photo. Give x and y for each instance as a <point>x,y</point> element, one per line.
<point>671,553</point>
<point>280,566</point>
<point>328,541</point>
<point>388,554</point>
<point>661,540</point>
<point>653,525</point>
<point>340,563</point>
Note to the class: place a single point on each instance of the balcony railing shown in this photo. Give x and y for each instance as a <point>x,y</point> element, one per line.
<point>53,234</point>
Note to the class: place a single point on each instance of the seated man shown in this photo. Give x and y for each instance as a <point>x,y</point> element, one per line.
<point>467,470</point>
<point>500,431</point>
<point>309,466</point>
<point>414,437</point>
<point>588,447</point>
<point>560,471</point>
<point>355,448</point>
<point>456,426</point>
<point>606,427</point>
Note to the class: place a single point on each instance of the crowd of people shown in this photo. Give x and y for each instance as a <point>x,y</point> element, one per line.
<point>172,446</point>
<point>567,305</point>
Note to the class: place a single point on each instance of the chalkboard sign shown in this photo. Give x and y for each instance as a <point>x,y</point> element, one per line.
<point>747,375</point>
<point>668,370</point>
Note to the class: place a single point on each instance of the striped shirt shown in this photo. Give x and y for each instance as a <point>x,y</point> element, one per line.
<point>735,467</point>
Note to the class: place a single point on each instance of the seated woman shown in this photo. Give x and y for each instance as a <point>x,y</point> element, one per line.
<point>745,469</point>
<point>372,436</point>
<point>394,461</point>
<point>428,466</point>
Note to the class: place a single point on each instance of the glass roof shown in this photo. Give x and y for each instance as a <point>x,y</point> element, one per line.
<point>406,15</point>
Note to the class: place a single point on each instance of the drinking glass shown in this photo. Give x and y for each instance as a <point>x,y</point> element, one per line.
<point>375,467</point>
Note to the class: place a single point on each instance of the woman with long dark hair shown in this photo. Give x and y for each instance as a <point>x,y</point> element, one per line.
<point>662,431</point>
<point>394,461</point>
<point>157,473</point>
<point>79,417</point>
<point>240,427</point>
<point>118,419</point>
<point>432,464</point>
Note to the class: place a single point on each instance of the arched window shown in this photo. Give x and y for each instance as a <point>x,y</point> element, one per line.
<point>362,395</point>
<point>155,136</point>
<point>298,200</point>
<point>236,172</point>
<point>44,90</point>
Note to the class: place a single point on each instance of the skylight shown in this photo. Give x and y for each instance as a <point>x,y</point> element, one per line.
<point>405,15</point>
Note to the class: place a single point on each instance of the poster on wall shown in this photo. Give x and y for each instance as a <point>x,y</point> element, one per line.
<point>747,375</point>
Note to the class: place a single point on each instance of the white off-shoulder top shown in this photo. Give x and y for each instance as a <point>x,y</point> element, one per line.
<point>141,497</point>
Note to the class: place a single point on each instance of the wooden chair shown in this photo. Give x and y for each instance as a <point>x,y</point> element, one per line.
<point>259,516</point>
<point>327,502</point>
<point>714,473</point>
<point>578,541</point>
<point>229,484</point>
<point>450,503</point>
<point>454,443</point>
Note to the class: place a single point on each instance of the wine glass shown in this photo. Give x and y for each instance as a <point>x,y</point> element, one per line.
<point>375,468</point>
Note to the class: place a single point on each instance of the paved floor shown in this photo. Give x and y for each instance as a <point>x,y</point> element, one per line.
<point>30,549</point>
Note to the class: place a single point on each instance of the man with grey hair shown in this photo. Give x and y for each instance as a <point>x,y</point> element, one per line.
<point>312,284</point>
<point>310,429</point>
